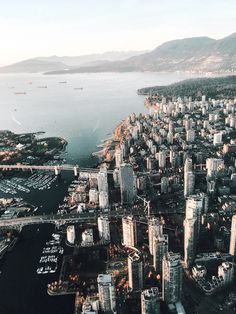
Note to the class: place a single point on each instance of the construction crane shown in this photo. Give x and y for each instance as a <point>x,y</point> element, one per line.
<point>146,205</point>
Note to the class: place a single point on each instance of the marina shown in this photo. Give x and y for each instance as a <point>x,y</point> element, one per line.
<point>48,262</point>
<point>37,181</point>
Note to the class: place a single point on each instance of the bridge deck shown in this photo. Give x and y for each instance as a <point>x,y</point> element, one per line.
<point>50,168</point>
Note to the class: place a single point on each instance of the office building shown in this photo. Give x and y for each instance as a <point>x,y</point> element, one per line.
<point>155,229</point>
<point>116,177</point>
<point>150,301</point>
<point>188,165</point>
<point>217,140</point>
<point>194,209</point>
<point>172,278</point>
<point>189,183</point>
<point>162,159</point>
<point>213,166</point>
<point>127,184</point>
<point>118,157</point>
<point>226,272</point>
<point>232,246</point>
<point>190,241</point>
<point>104,228</point>
<point>164,185</point>
<point>160,249</point>
<point>190,136</point>
<point>107,293</point>
<point>102,180</point>
<point>135,271</point>
<point>129,231</point>
<point>93,196</point>
<point>103,200</point>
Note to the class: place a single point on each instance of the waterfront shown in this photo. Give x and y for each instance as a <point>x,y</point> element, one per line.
<point>83,118</point>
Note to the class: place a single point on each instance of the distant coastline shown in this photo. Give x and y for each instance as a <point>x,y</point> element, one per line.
<point>216,87</point>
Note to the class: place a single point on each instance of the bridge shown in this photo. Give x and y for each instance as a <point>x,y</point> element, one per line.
<point>56,169</point>
<point>43,219</point>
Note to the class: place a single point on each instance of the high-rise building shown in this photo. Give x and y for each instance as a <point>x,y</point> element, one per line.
<point>70,232</point>
<point>135,271</point>
<point>87,237</point>
<point>102,180</point>
<point>127,184</point>
<point>213,165</point>
<point>164,185</point>
<point>188,165</point>
<point>155,229</point>
<point>172,278</point>
<point>194,209</point>
<point>116,178</point>
<point>189,177</point>
<point>104,228</point>
<point>103,200</point>
<point>190,240</point>
<point>160,249</point>
<point>107,293</point>
<point>217,140</point>
<point>190,136</point>
<point>93,196</point>
<point>189,183</point>
<point>129,231</point>
<point>150,301</point>
<point>232,246</point>
<point>162,159</point>
<point>118,157</point>
<point>226,272</point>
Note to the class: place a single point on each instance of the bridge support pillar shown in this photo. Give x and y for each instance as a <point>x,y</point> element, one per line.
<point>76,171</point>
<point>57,171</point>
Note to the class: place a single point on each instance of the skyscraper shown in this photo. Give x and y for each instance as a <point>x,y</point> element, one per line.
<point>232,247</point>
<point>107,293</point>
<point>103,188</point>
<point>103,200</point>
<point>160,249</point>
<point>135,271</point>
<point>162,159</point>
<point>102,180</point>
<point>127,184</point>
<point>150,301</point>
<point>155,229</point>
<point>189,183</point>
<point>194,209</point>
<point>104,228</point>
<point>129,231</point>
<point>189,177</point>
<point>118,157</point>
<point>190,240</point>
<point>188,165</point>
<point>172,278</point>
<point>164,184</point>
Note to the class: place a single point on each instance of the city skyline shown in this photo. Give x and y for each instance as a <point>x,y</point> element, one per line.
<point>57,28</point>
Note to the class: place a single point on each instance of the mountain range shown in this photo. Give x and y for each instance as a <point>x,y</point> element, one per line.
<point>55,63</point>
<point>193,55</point>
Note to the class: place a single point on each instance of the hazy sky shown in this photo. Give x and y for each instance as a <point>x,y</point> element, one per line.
<point>30,28</point>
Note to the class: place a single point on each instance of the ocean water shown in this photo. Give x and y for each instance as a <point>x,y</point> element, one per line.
<point>83,118</point>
